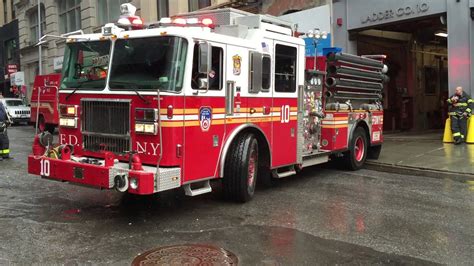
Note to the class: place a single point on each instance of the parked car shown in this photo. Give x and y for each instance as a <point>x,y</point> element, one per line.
<point>18,111</point>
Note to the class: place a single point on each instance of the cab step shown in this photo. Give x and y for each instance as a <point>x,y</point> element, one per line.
<point>287,172</point>
<point>206,188</point>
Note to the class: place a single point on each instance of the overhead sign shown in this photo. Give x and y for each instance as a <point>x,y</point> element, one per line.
<point>58,63</point>
<point>11,68</point>
<point>17,79</point>
<point>367,13</point>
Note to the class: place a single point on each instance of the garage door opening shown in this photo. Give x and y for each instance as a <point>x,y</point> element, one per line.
<point>417,56</point>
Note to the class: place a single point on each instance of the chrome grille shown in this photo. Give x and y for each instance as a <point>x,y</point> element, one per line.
<point>106,125</point>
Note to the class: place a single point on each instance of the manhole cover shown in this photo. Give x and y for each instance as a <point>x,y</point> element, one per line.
<point>188,254</point>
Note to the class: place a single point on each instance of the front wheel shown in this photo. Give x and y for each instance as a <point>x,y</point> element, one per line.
<point>355,158</point>
<point>241,168</point>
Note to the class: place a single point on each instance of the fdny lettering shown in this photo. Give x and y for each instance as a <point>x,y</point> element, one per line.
<point>68,139</point>
<point>148,148</point>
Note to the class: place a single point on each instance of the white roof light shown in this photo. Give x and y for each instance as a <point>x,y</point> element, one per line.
<point>165,20</point>
<point>128,9</point>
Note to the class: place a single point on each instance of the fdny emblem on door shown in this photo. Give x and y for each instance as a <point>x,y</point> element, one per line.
<point>205,118</point>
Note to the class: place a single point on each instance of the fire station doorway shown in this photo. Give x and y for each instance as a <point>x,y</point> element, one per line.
<point>417,58</point>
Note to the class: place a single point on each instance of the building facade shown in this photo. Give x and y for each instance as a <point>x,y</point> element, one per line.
<point>430,47</point>
<point>9,55</point>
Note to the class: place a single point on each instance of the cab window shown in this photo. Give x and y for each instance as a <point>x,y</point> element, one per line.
<point>216,69</point>
<point>285,68</point>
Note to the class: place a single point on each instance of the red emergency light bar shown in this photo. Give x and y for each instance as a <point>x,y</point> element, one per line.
<point>206,22</point>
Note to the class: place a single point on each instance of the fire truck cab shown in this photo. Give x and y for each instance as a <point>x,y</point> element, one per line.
<point>219,94</point>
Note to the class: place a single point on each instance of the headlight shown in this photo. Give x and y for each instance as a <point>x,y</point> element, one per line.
<point>68,122</point>
<point>68,110</point>
<point>146,128</point>
<point>133,183</point>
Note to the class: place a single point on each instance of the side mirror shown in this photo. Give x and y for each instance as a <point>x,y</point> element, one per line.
<point>204,57</point>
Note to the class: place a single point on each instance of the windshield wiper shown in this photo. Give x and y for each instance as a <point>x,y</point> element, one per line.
<point>133,86</point>
<point>75,89</point>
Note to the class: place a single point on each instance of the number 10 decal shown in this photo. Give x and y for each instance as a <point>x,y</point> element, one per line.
<point>45,167</point>
<point>285,114</point>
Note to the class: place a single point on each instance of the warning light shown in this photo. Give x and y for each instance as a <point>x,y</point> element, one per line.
<point>207,22</point>
<point>179,21</point>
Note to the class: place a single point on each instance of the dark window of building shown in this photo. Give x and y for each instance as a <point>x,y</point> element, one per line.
<point>109,10</point>
<point>266,72</point>
<point>69,15</point>
<point>198,4</point>
<point>215,75</point>
<point>13,10</point>
<point>285,68</point>
<point>5,12</point>
<point>34,24</point>
<point>10,47</point>
<point>163,8</point>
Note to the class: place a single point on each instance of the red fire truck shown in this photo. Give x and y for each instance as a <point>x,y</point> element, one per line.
<point>211,95</point>
<point>44,102</point>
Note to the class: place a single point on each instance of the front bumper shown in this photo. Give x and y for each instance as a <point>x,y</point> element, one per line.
<point>20,119</point>
<point>102,177</point>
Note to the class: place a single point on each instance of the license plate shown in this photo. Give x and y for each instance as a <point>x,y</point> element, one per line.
<point>23,116</point>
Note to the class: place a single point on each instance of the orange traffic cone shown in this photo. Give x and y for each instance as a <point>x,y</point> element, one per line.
<point>470,131</point>
<point>448,135</point>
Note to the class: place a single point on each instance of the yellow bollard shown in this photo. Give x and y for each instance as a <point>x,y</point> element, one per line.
<point>470,131</point>
<point>448,135</point>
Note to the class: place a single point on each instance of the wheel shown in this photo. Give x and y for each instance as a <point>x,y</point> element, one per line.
<point>374,152</point>
<point>241,168</point>
<point>41,124</point>
<point>50,128</point>
<point>354,159</point>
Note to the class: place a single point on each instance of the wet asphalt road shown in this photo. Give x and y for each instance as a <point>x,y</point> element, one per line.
<point>322,216</point>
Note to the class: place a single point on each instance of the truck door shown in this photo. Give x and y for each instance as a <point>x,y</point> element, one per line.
<point>204,113</point>
<point>284,135</point>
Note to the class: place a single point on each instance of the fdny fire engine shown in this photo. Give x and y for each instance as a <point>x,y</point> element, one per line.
<point>211,95</point>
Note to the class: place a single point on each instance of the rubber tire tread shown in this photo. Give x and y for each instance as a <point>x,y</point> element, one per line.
<point>349,160</point>
<point>374,152</point>
<point>235,171</point>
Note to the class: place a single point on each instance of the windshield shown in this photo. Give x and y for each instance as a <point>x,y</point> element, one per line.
<point>86,64</point>
<point>149,63</point>
<point>14,103</point>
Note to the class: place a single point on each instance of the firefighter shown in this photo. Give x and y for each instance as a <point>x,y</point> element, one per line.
<point>4,143</point>
<point>460,109</point>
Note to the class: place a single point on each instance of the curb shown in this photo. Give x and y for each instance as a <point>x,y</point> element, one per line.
<point>407,170</point>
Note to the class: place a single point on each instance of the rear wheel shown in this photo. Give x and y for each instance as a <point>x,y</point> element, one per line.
<point>241,168</point>
<point>50,128</point>
<point>41,124</point>
<point>355,158</point>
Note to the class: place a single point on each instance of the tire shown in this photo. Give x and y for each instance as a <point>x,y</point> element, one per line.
<point>41,124</point>
<point>50,128</point>
<point>354,159</point>
<point>241,169</point>
<point>374,152</point>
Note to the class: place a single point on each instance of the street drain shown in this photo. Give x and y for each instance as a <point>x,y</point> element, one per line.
<point>187,254</point>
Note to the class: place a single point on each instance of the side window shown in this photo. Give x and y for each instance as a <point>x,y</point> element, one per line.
<point>216,70</point>
<point>255,72</point>
<point>285,68</point>
<point>266,72</point>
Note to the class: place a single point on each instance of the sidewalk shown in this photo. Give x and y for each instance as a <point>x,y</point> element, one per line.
<point>425,154</point>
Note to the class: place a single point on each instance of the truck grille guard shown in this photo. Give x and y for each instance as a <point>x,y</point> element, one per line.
<point>106,125</point>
